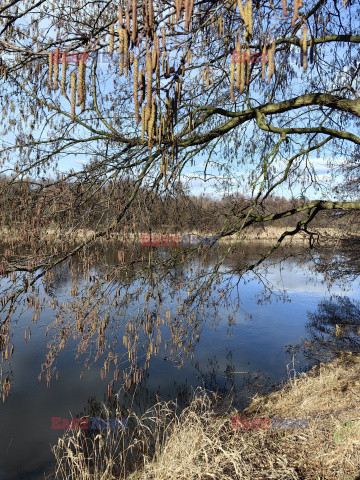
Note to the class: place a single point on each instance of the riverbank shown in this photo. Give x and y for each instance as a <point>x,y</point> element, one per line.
<point>267,235</point>
<point>201,442</point>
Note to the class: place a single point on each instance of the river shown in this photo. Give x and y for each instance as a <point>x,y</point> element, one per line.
<point>243,345</point>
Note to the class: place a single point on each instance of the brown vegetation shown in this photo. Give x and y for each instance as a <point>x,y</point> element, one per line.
<point>29,207</point>
<point>200,443</point>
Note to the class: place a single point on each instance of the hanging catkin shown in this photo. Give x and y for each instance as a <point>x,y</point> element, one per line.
<point>263,62</point>
<point>284,8</point>
<point>148,77</point>
<point>151,14</point>
<point>121,50</point>
<point>162,162</point>
<point>172,23</point>
<point>178,9</point>
<point>304,46</point>
<point>158,76</point>
<point>297,5</point>
<point>50,70</point>
<point>125,36</point>
<point>153,59</point>
<point>271,60</point>
<point>83,89</point>
<point>111,41</point>
<point>242,70</point>
<point>191,11</point>
<point>249,18</point>
<point>147,115</point>
<point>56,70</point>
<point>189,6</point>
<point>134,19</point>
<point>157,49</point>
<point>81,83</point>
<point>120,16</point>
<point>163,38</point>
<point>127,19</point>
<point>83,86</point>
<point>237,55</point>
<point>63,74</point>
<point>168,109</point>
<point>152,121</point>
<point>232,79</point>
<point>126,50</point>
<point>135,77</point>
<point>73,94</point>
<point>121,41</point>
<point>190,122</point>
<point>246,15</point>
<point>295,14</point>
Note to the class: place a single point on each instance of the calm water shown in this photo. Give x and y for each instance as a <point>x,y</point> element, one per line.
<point>253,339</point>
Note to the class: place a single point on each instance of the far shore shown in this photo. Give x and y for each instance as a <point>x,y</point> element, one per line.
<point>264,235</point>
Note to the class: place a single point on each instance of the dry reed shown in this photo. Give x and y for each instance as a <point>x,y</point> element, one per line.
<point>200,443</point>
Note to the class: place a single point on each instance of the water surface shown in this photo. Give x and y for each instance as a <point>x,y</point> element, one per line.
<point>243,346</point>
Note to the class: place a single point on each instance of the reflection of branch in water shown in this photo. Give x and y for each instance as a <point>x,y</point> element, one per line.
<point>108,305</point>
<point>342,264</point>
<point>333,328</point>
<point>209,376</point>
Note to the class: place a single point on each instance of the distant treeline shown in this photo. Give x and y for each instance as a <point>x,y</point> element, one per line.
<point>89,204</point>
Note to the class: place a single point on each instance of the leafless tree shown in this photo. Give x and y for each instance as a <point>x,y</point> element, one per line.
<point>249,93</point>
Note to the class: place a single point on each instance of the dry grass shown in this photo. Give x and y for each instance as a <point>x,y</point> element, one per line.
<point>108,454</point>
<point>199,443</point>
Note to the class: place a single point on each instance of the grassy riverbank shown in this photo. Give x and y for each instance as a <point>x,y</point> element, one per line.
<point>200,443</point>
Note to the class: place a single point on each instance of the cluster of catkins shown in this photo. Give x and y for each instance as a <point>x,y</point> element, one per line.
<point>241,57</point>
<point>127,35</point>
<point>77,79</point>
<point>142,78</point>
<point>246,15</point>
<point>147,63</point>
